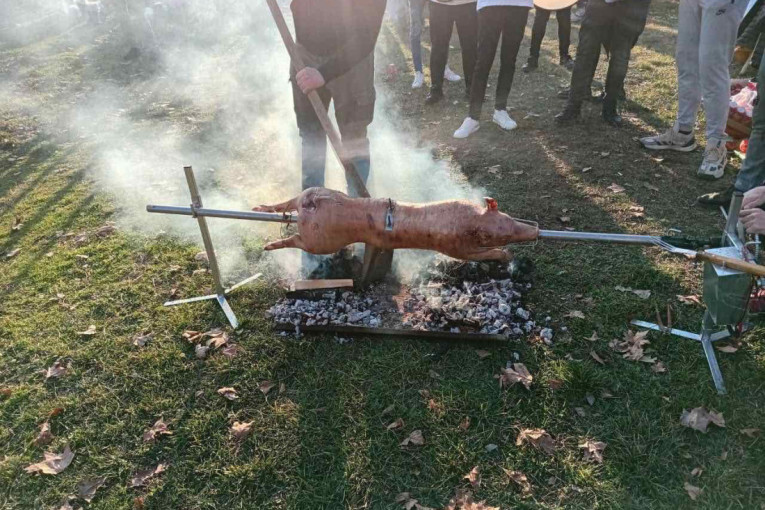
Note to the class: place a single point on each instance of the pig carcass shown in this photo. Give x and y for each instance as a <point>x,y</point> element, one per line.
<point>329,220</point>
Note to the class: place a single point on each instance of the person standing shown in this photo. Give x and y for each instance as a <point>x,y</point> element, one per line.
<point>444,14</point>
<point>615,24</point>
<point>496,18</point>
<point>416,23</point>
<point>706,36</point>
<point>336,39</point>
<point>541,17</point>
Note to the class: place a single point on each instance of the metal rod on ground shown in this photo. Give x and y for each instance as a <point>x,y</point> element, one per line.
<point>396,333</point>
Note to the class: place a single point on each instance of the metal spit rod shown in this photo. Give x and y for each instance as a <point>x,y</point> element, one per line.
<point>561,235</point>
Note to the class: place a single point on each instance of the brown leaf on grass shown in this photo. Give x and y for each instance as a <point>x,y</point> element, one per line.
<point>554,384</point>
<point>424,393</point>
<point>158,429</point>
<point>642,294</point>
<point>632,345</point>
<point>388,410</point>
<point>138,503</point>
<point>66,504</point>
<point>86,489</point>
<point>56,370</point>
<point>200,351</point>
<point>53,463</point>
<point>590,398</point>
<point>282,388</point>
<point>12,253</point>
<point>474,477</point>
<point>229,393</point>
<point>538,438</point>
<point>88,332</point>
<point>729,349</point>
<point>141,340</point>
<point>482,354</point>
<point>230,350</point>
<point>218,338</point>
<point>142,477</point>
<point>192,336</point>
<point>593,450</point>
<point>575,314</point>
<point>416,438</point>
<point>17,224</point>
<point>615,188</point>
<point>691,299</point>
<point>699,419</point>
<point>693,491</point>
<point>697,471</point>
<point>55,412</point>
<point>750,432</point>
<point>594,337</point>
<point>240,430</point>
<point>580,411</point>
<point>564,219</point>
<point>201,257</point>
<point>6,392</point>
<point>266,386</point>
<point>406,501</point>
<point>518,374</point>
<point>659,367</point>
<point>45,436</point>
<point>521,480</point>
<point>465,424</point>
<point>463,500</point>
<point>594,355</point>
<point>106,230</point>
<point>650,186</point>
<point>398,424</point>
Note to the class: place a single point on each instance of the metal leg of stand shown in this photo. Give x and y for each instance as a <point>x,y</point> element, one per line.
<point>706,343</point>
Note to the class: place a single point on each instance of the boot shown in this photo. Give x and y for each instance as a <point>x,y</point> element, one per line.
<point>571,114</point>
<point>611,112</point>
<point>531,64</point>
<point>567,62</point>
<point>434,96</point>
<point>717,198</point>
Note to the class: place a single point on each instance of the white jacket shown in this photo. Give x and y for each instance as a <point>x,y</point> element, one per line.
<point>517,3</point>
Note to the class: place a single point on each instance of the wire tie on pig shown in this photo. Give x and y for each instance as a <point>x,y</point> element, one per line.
<point>389,216</point>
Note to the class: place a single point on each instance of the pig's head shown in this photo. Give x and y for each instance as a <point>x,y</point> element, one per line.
<point>499,228</point>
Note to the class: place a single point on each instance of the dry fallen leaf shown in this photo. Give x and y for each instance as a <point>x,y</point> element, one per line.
<point>730,349</point>
<point>88,332</point>
<point>192,336</point>
<point>406,501</point>
<point>482,354</point>
<point>230,350</point>
<point>398,424</point>
<point>693,491</point>
<point>282,388</point>
<point>158,429</point>
<point>632,345</point>
<point>750,432</point>
<point>229,393</point>
<point>692,299</point>
<point>594,337</point>
<point>474,477</point>
<point>465,424</point>
<point>53,463</point>
<point>56,370</point>
<point>240,430</point>
<point>519,373</point>
<point>539,438</point>
<point>659,367</point>
<point>575,314</point>
<point>141,477</point>
<point>142,340</point>
<point>415,438</point>
<point>86,489</point>
<point>597,358</point>
<point>522,481</point>
<point>580,411</point>
<point>266,386</point>
<point>463,500</point>
<point>388,410</point>
<point>699,419</point>
<point>490,447</point>
<point>615,188</point>
<point>200,351</point>
<point>593,450</point>
<point>590,398</point>
<point>12,253</point>
<point>6,392</point>
<point>697,471</point>
<point>45,436</point>
<point>554,384</point>
<point>642,294</point>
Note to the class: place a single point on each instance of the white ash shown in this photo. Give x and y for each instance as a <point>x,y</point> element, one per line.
<point>352,309</point>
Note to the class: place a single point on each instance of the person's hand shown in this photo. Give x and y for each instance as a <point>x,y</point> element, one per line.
<point>755,197</point>
<point>309,79</point>
<point>753,220</point>
<point>741,54</point>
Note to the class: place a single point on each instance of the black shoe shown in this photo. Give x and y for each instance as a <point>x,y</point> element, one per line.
<point>570,115</point>
<point>567,62</point>
<point>611,113</point>
<point>717,198</point>
<point>434,96</point>
<point>530,65</point>
<point>563,94</point>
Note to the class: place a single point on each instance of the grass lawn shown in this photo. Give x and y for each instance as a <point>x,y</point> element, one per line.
<point>322,442</point>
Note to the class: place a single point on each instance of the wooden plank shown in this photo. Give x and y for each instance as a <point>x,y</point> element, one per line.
<point>321,284</point>
<point>398,334</point>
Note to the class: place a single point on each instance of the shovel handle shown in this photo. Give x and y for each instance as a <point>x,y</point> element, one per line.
<point>334,138</point>
<point>739,265</point>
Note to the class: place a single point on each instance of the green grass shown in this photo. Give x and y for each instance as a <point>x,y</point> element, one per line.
<point>323,443</point>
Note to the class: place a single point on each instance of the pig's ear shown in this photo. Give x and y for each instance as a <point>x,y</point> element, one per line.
<point>491,204</point>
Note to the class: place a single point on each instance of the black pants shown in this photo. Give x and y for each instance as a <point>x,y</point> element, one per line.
<point>541,17</point>
<point>493,22</point>
<point>617,26</point>
<point>442,20</point>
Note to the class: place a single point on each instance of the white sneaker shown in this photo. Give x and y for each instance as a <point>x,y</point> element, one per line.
<point>468,127</point>
<point>419,80</point>
<point>672,139</point>
<point>503,120</point>
<point>450,75</point>
<point>715,158</point>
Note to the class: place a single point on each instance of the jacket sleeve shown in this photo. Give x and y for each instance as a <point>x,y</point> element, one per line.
<point>748,37</point>
<point>368,15</point>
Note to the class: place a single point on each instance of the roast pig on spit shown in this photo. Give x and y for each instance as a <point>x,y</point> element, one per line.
<point>329,220</point>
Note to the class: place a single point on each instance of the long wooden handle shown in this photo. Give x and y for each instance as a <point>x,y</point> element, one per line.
<point>740,265</point>
<point>318,106</point>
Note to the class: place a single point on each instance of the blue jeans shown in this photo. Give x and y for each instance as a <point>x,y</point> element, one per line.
<point>416,21</point>
<point>752,173</point>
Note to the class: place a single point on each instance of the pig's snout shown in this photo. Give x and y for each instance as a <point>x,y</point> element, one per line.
<point>525,232</point>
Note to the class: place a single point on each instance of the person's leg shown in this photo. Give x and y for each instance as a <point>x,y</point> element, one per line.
<point>513,27</point>
<point>489,30</point>
<point>467,29</point>
<point>416,8</point>
<point>687,57</point>
<point>440,32</point>
<point>564,31</point>
<point>752,173</point>
<point>541,17</point>
<point>312,136</point>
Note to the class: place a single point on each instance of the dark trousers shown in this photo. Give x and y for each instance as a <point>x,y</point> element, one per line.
<point>752,173</point>
<point>616,26</point>
<point>541,17</point>
<point>442,20</point>
<point>493,22</point>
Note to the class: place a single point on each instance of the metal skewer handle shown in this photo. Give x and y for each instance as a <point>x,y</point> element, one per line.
<point>561,235</point>
<point>220,213</point>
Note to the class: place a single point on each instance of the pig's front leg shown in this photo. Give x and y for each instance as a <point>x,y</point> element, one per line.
<point>291,242</point>
<point>288,206</point>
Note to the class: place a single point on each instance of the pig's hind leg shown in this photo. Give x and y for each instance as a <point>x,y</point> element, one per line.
<point>288,206</point>
<point>291,242</point>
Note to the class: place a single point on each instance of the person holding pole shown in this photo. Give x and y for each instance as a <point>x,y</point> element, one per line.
<point>336,39</point>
